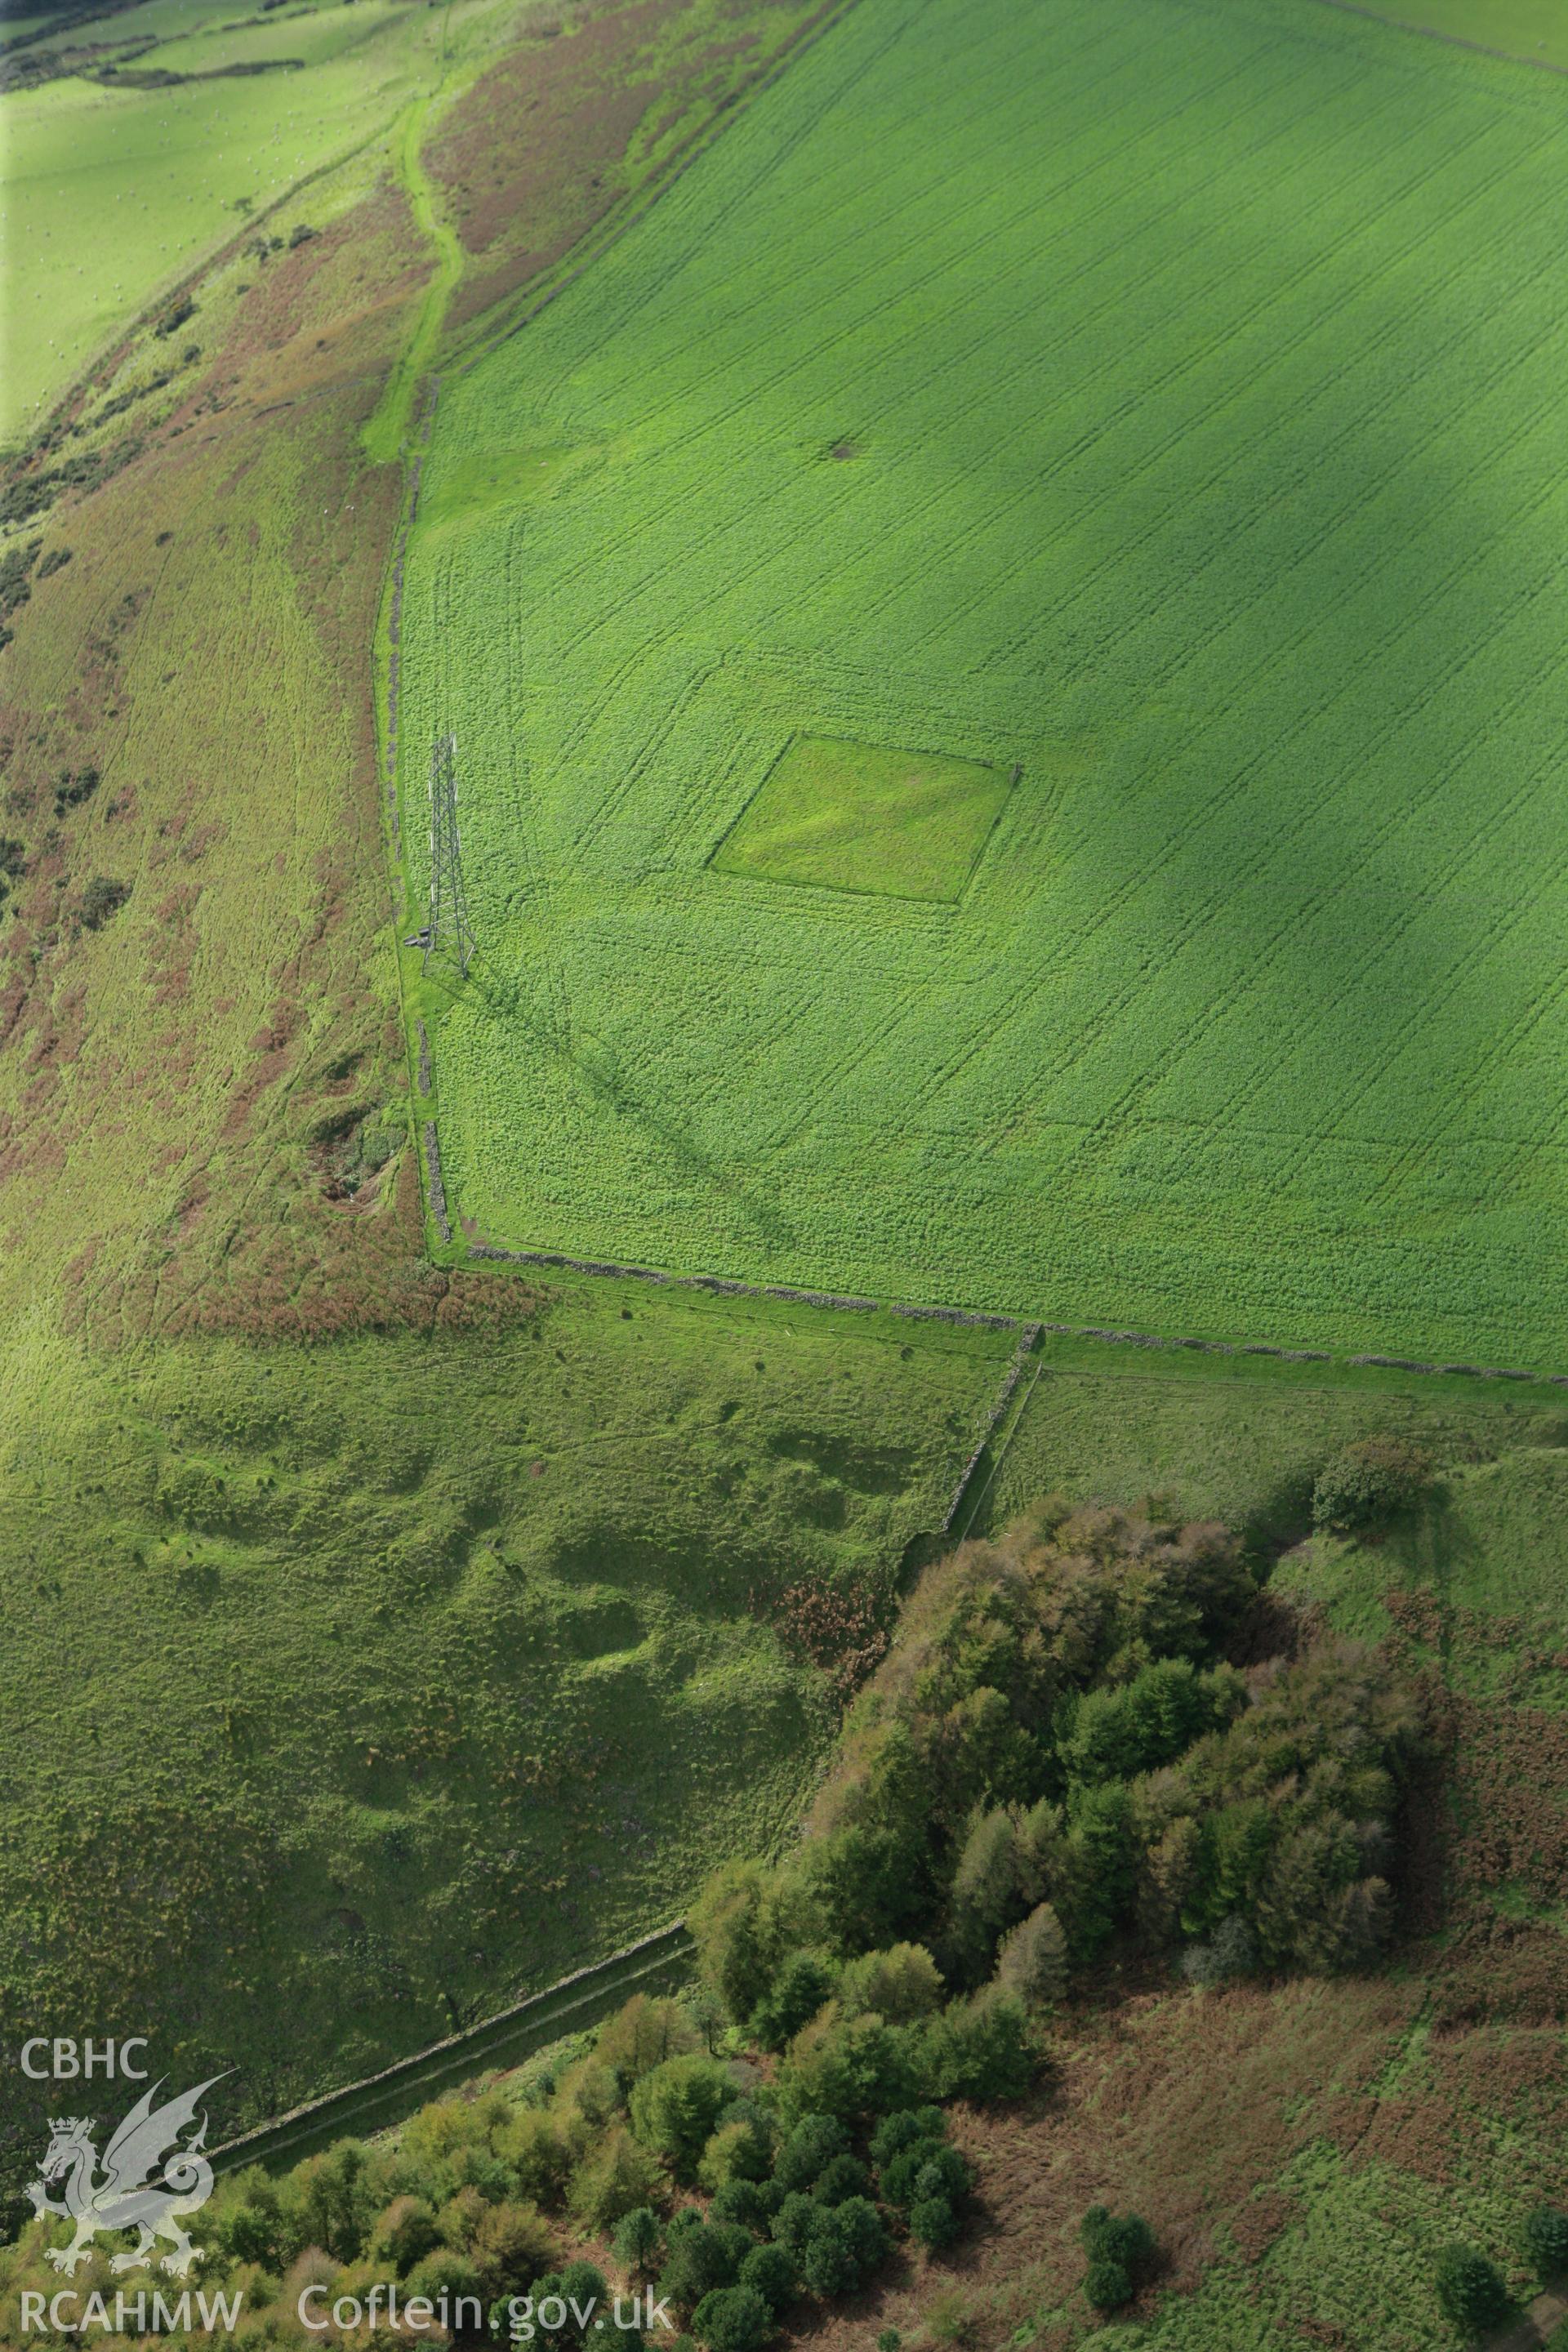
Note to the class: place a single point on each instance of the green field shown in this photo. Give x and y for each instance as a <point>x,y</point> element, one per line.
<point>166,175</point>
<point>1164,400</point>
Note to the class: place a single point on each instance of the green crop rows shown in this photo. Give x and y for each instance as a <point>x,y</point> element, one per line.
<point>1164,400</point>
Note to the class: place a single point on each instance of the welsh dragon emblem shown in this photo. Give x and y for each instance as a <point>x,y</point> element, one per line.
<point>147,2183</point>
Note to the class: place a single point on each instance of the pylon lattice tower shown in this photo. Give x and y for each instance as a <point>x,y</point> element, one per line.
<point>448,936</point>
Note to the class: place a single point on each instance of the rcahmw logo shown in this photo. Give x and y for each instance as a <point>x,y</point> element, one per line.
<point>148,2180</point>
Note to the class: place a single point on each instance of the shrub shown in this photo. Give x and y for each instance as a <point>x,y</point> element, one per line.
<point>1033,1959</point>
<point>907,2129</point>
<point>933,2223</point>
<point>102,897</point>
<point>1470,2290</point>
<point>1108,2284</point>
<point>638,2240</point>
<point>888,2340</point>
<point>1120,2251</point>
<point>743,2201</point>
<point>615,2179</point>
<point>950,2318</point>
<point>70,790</point>
<point>699,2260</point>
<point>845,2176</point>
<point>769,2272</point>
<point>900,1985</point>
<point>809,2150</point>
<point>1369,1483</point>
<point>733,2319</point>
<point>798,1990</point>
<point>16,566</point>
<point>1126,2235</point>
<point>676,2106</point>
<point>1544,2240</point>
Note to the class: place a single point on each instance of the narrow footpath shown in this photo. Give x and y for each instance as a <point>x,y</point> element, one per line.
<point>387,430</point>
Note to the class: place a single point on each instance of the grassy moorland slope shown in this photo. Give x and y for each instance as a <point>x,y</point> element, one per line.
<point>463,1658</point>
<point>1163,401</point>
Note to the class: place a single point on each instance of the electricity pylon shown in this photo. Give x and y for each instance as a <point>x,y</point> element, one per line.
<point>448,937</point>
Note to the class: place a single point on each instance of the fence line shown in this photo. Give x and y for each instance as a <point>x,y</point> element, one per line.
<point>1028,1341</point>
<point>378,2101</point>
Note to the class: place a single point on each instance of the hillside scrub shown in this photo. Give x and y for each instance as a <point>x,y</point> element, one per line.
<point>485,2196</point>
<point>1056,1755</point>
<point>1369,1483</point>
